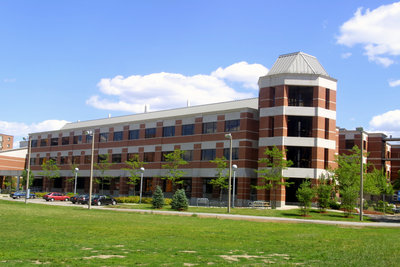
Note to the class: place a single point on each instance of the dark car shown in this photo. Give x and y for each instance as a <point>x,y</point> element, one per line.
<point>83,199</point>
<point>74,199</point>
<point>103,200</point>
<point>20,194</point>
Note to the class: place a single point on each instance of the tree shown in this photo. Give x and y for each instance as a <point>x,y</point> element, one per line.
<point>274,163</point>
<point>305,194</point>
<point>158,199</point>
<point>179,200</point>
<point>103,167</point>
<point>221,176</point>
<point>323,192</point>
<point>377,184</point>
<point>174,162</point>
<point>349,197</point>
<point>396,183</point>
<point>24,176</point>
<point>50,170</point>
<point>134,165</point>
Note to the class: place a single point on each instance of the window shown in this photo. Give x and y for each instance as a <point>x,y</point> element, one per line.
<point>102,157</point>
<point>209,127</point>
<point>300,156</point>
<point>301,96</point>
<point>76,160</point>
<point>116,158</point>
<point>232,126</point>
<point>133,134</point>
<point>326,128</point>
<point>133,156</point>
<point>149,156</point>
<point>188,129</point>
<point>63,160</point>
<point>65,141</point>
<point>168,131</point>
<point>43,142</point>
<point>272,96</point>
<point>187,155</point>
<point>327,98</point>
<point>299,126</point>
<point>150,133</point>
<point>349,144</point>
<point>89,138</point>
<point>235,153</point>
<point>271,126</point>
<point>103,137</point>
<point>326,159</point>
<point>118,136</point>
<point>87,159</point>
<point>34,143</point>
<point>78,139</point>
<point>54,141</point>
<point>163,154</point>
<point>33,161</point>
<point>207,154</point>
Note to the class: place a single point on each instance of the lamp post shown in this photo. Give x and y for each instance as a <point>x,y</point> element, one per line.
<point>92,133</point>
<point>141,183</point>
<point>234,167</point>
<point>361,130</point>
<point>28,171</point>
<point>76,179</point>
<point>229,136</point>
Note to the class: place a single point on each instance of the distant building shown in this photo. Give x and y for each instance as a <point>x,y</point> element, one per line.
<point>6,142</point>
<point>12,163</point>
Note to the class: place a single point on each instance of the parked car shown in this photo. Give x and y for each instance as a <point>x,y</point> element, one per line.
<point>19,194</point>
<point>74,199</point>
<point>56,196</point>
<point>83,199</point>
<point>103,200</point>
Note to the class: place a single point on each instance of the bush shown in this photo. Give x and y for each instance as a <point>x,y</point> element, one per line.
<point>349,200</point>
<point>333,204</point>
<point>158,199</point>
<point>324,192</point>
<point>128,199</point>
<point>305,194</point>
<point>40,194</point>
<point>179,200</point>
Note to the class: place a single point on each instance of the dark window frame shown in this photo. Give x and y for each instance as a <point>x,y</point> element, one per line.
<point>118,136</point>
<point>188,129</point>
<point>134,134</point>
<point>150,133</point>
<point>168,131</point>
<point>209,127</point>
<point>232,125</point>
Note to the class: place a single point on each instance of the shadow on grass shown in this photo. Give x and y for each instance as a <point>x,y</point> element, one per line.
<point>314,214</point>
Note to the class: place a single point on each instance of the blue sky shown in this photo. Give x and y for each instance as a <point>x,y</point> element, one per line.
<point>79,60</point>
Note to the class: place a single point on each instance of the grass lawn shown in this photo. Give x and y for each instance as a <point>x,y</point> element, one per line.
<point>291,213</point>
<point>71,236</point>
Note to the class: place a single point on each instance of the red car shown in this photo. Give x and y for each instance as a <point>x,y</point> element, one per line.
<point>56,196</point>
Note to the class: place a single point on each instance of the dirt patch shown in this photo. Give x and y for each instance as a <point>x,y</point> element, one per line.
<point>86,248</point>
<point>189,264</point>
<point>103,257</point>
<point>188,251</point>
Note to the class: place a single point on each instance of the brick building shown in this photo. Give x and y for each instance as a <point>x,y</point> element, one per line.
<point>295,110</point>
<point>6,142</point>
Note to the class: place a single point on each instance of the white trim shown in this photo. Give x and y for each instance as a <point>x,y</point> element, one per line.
<point>297,79</point>
<point>298,111</point>
<point>297,141</point>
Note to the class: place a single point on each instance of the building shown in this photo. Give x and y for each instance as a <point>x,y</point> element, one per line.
<point>295,110</point>
<point>6,142</point>
<point>12,163</point>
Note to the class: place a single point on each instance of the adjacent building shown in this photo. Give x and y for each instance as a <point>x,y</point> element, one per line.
<point>6,142</point>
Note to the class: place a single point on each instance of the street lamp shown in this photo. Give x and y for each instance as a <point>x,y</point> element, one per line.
<point>361,130</point>
<point>141,183</point>
<point>234,167</point>
<point>28,171</point>
<point>76,179</point>
<point>229,136</point>
<point>91,133</point>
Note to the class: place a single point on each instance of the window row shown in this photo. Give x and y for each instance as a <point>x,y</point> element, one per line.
<point>168,131</point>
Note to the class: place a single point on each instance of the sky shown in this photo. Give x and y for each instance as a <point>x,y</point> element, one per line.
<point>64,61</point>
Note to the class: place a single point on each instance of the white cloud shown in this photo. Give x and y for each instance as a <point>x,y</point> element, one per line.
<point>388,122</point>
<point>169,90</point>
<point>394,83</point>
<point>377,30</point>
<point>20,130</point>
<point>346,55</point>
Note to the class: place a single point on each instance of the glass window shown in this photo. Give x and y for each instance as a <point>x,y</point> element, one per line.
<point>300,156</point>
<point>76,160</point>
<point>77,139</point>
<point>41,160</point>
<point>87,159</point>
<point>34,143</point>
<point>133,134</point>
<point>33,161</point>
<point>168,131</point>
<point>349,144</point>
<point>89,138</point>
<point>188,129</point>
<point>163,155</point>
<point>54,141</point>
<point>101,157</point>
<point>209,127</point>
<point>63,160</point>
<point>43,142</point>
<point>133,156</point>
<point>207,154</point>
<point>187,155</point>
<point>299,126</point>
<point>149,157</point>
<point>65,140</point>
<point>232,126</point>
<point>103,137</point>
<point>118,136</point>
<point>235,153</point>
<point>116,158</point>
<point>301,96</point>
<point>150,133</point>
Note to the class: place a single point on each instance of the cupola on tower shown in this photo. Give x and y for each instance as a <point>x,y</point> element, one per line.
<point>297,105</point>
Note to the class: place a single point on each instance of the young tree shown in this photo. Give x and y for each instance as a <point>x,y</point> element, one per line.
<point>158,199</point>
<point>274,163</point>
<point>377,184</point>
<point>103,167</point>
<point>305,194</point>
<point>221,176</point>
<point>323,192</point>
<point>72,167</point>
<point>179,200</point>
<point>174,162</point>
<point>25,175</point>
<point>134,165</point>
<point>50,170</point>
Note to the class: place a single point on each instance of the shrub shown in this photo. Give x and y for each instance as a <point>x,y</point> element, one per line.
<point>305,194</point>
<point>324,192</point>
<point>333,204</point>
<point>179,200</point>
<point>158,198</point>
<point>349,200</point>
<point>40,194</point>
<point>128,199</point>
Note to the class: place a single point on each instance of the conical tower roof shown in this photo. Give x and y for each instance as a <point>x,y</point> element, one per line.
<point>298,63</point>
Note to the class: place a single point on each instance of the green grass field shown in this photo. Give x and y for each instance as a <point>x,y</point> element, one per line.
<point>71,236</point>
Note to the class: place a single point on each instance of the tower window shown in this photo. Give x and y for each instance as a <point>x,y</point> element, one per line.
<point>299,126</point>
<point>300,96</point>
